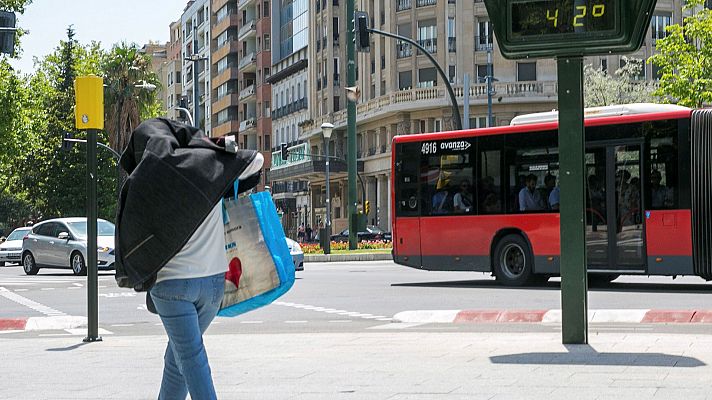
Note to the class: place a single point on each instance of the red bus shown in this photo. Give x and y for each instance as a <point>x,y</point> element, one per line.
<point>487,199</point>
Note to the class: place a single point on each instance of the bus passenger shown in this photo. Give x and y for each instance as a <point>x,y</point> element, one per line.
<point>462,201</point>
<point>529,197</point>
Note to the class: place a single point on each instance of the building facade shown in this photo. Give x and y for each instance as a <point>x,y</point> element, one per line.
<point>196,37</point>
<point>402,92</point>
<point>289,80</point>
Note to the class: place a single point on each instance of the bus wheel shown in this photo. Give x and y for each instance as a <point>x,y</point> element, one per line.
<point>513,261</point>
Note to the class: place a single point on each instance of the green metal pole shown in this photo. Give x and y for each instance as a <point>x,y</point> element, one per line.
<point>351,128</point>
<point>574,301</point>
<point>91,265</point>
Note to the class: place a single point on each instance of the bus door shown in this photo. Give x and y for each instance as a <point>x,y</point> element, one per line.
<point>615,231</point>
<point>406,229</point>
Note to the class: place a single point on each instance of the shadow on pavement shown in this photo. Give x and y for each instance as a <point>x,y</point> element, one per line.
<point>586,355</point>
<point>609,287</point>
<point>69,348</point>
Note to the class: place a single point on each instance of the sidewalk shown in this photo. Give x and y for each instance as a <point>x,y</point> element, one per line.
<point>380,365</point>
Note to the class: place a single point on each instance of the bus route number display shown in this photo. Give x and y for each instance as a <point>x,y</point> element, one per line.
<point>557,17</point>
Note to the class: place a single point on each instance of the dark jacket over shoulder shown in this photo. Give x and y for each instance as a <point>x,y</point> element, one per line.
<point>176,176</point>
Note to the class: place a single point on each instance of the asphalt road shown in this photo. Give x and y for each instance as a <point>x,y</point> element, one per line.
<point>355,296</point>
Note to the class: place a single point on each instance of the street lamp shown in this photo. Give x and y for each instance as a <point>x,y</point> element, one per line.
<point>326,129</point>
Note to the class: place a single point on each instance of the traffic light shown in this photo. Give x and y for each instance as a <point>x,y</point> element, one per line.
<point>7,32</point>
<point>366,207</point>
<point>284,152</point>
<point>362,33</point>
<point>67,145</point>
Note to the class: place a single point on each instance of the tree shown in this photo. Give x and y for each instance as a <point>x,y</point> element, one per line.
<point>603,89</point>
<point>684,58</point>
<point>127,105</point>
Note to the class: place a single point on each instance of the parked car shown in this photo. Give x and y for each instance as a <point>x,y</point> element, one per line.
<point>62,243</point>
<point>297,254</point>
<point>11,249</point>
<point>371,233</point>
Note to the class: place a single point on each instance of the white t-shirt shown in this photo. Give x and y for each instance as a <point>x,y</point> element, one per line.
<point>204,253</point>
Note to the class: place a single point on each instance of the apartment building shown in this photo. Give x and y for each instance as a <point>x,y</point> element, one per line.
<point>169,72</point>
<point>254,68</point>
<point>402,93</point>
<point>195,33</point>
<point>289,80</point>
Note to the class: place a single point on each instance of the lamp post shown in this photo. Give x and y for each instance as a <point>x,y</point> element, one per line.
<point>326,129</point>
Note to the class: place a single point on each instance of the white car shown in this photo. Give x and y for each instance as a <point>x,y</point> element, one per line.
<point>297,254</point>
<point>62,243</point>
<point>11,248</point>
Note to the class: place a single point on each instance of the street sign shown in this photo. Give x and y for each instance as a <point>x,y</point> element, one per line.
<point>560,28</point>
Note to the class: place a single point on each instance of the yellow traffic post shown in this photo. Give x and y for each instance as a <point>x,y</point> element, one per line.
<point>89,116</point>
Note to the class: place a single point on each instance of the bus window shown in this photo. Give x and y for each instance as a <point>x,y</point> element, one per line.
<point>533,170</point>
<point>407,164</point>
<point>662,173</point>
<point>489,184</point>
<point>446,178</point>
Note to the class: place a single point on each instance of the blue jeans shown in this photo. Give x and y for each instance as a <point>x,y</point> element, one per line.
<point>186,307</point>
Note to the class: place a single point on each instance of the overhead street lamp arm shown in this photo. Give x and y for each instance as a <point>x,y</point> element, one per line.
<point>117,155</point>
<point>455,107</point>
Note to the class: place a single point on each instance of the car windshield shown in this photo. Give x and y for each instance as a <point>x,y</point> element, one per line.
<point>104,228</point>
<point>17,234</point>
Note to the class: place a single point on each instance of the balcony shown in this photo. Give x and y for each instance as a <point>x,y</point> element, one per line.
<point>249,123</point>
<point>244,3</point>
<point>248,29</point>
<point>247,92</point>
<point>247,63</point>
<point>430,45</point>
<point>404,49</point>
<point>225,128</point>
<point>227,100</point>
<point>402,5</point>
<point>483,43</point>
<point>434,97</point>
<point>424,3</point>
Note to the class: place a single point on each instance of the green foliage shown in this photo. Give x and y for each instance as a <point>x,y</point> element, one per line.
<point>37,179</point>
<point>603,89</point>
<point>685,59</point>
<point>127,105</point>
<point>17,6</point>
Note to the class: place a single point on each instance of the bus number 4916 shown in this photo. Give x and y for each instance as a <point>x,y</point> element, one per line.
<point>429,148</point>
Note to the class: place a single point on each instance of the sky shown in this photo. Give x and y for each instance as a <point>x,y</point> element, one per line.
<point>106,21</point>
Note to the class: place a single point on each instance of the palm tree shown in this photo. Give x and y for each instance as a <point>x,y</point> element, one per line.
<point>127,103</point>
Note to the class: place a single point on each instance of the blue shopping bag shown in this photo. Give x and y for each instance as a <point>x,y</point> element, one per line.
<point>260,266</point>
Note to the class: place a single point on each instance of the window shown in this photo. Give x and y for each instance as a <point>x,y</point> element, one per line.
<point>222,64</point>
<point>451,44</point>
<point>267,41</point>
<point>532,160</point>
<point>265,7</point>
<point>489,182</point>
<point>446,186</point>
<point>222,39</point>
<point>662,184</point>
<point>482,72</point>
<point>267,109</point>
<point>427,77</point>
<point>658,25</point>
<point>526,71</point>
<point>451,73</point>
<point>428,35</point>
<point>407,171</point>
<point>177,76</point>
<point>267,142</point>
<point>604,65</point>
<point>483,40</point>
<point>223,116</point>
<point>222,13</point>
<point>438,125</point>
<point>478,122</point>
<point>222,90</point>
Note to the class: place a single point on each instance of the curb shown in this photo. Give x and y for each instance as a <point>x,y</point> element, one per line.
<point>554,316</point>
<point>347,257</point>
<point>42,323</point>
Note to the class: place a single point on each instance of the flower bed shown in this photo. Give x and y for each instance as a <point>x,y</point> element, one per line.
<point>313,248</point>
